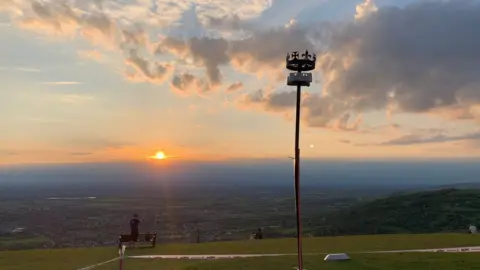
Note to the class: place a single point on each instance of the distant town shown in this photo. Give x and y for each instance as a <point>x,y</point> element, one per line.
<point>59,222</point>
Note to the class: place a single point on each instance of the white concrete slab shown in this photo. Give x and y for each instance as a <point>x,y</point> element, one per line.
<point>336,257</point>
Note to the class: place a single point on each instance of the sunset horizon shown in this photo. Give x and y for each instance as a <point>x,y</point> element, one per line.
<point>104,82</point>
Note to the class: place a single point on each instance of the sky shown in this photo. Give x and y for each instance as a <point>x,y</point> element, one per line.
<point>105,80</point>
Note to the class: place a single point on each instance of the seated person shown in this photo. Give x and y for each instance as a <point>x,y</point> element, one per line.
<point>259,234</point>
<point>134,222</point>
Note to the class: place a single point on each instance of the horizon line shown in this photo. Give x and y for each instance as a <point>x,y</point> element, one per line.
<point>165,162</point>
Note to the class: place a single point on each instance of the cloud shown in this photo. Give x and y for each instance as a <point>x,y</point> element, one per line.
<point>21,69</point>
<point>211,53</point>
<point>8,153</point>
<point>229,22</point>
<point>207,52</point>
<point>91,54</point>
<point>6,3</point>
<point>183,13</point>
<point>244,9</point>
<point>144,70</point>
<point>280,101</point>
<point>187,84</point>
<point>421,58</point>
<point>279,12</point>
<point>97,143</point>
<point>27,69</point>
<point>317,111</point>
<point>262,53</point>
<point>386,128</point>
<point>129,27</point>
<point>60,83</point>
<point>100,22</point>
<point>343,123</point>
<point>235,87</point>
<point>418,59</point>
<point>77,154</point>
<point>365,9</point>
<point>412,139</point>
<point>325,111</point>
<point>54,17</point>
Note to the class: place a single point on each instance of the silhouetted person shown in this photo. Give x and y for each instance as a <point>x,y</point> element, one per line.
<point>259,234</point>
<point>134,228</point>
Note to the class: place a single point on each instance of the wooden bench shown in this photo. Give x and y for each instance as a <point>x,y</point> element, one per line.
<point>142,237</point>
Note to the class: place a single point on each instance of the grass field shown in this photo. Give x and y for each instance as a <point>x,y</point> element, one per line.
<point>9,242</point>
<point>77,258</point>
<point>410,261</point>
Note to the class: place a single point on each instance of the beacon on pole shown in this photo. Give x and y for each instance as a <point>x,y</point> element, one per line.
<point>299,64</point>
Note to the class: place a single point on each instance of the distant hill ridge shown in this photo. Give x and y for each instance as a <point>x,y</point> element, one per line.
<point>444,210</point>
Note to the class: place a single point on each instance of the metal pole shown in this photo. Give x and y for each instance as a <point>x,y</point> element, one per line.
<point>297,179</point>
<point>299,64</point>
<point>121,252</point>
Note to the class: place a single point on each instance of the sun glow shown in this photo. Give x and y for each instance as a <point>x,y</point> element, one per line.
<point>159,155</point>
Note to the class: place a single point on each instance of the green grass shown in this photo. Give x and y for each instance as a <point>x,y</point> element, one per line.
<point>410,261</point>
<point>54,259</point>
<point>10,242</point>
<point>324,244</point>
<point>76,258</point>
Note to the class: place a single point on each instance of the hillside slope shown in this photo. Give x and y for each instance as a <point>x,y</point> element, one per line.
<point>445,210</point>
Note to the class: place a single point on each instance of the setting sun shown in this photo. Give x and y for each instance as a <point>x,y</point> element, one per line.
<point>159,155</point>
